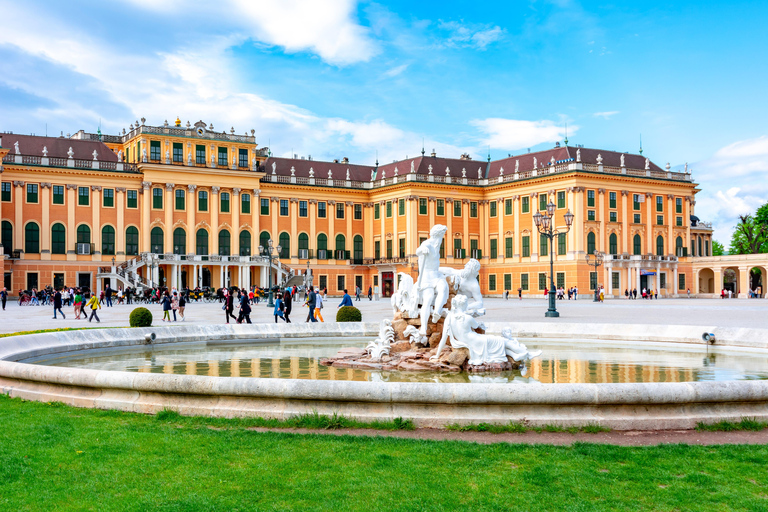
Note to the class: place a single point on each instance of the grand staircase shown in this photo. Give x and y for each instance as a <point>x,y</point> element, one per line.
<point>125,273</point>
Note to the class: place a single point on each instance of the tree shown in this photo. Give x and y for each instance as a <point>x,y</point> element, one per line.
<point>717,248</point>
<point>750,235</point>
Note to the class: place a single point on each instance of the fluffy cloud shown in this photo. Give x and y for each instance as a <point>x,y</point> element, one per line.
<point>468,35</point>
<point>721,202</point>
<point>513,134</point>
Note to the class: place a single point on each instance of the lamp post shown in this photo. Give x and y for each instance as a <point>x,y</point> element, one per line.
<point>596,261</point>
<point>268,252</point>
<point>545,224</point>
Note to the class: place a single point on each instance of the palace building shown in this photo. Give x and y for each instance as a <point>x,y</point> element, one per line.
<point>188,206</point>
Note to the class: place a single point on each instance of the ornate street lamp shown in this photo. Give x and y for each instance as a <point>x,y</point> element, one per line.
<point>597,260</point>
<point>270,253</point>
<point>546,226</point>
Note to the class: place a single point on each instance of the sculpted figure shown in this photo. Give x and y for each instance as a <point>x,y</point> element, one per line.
<point>431,286</point>
<point>465,282</point>
<point>483,348</point>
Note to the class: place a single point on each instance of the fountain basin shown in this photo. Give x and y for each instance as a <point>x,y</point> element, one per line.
<point>619,406</point>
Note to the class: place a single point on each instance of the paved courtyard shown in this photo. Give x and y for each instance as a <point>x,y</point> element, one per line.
<point>730,313</point>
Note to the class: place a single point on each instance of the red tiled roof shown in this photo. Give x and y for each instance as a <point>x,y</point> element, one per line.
<point>568,154</point>
<point>421,165</point>
<point>282,167</point>
<point>57,147</point>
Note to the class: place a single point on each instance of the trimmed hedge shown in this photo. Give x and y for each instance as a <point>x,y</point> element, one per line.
<point>140,317</point>
<point>349,314</point>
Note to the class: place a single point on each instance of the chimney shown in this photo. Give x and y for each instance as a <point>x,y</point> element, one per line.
<point>433,154</point>
<point>335,160</point>
<point>345,160</point>
<point>557,144</point>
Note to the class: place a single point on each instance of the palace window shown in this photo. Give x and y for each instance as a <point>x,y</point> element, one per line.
<point>202,201</point>
<point>659,203</point>
<point>526,246</point>
<point>422,206</point>
<point>613,217</point>
<point>223,156</point>
<point>156,241</point>
<point>157,198</point>
<point>457,207</point>
<point>526,204</point>
<point>108,197</point>
<point>636,218</point>
<point>508,247</point>
<point>377,249</point>
<point>494,248</point>
<point>242,158</point>
<point>637,245</point>
<point>199,154</point>
<point>132,241</point>
<point>635,201</point>
<point>402,247</point>
<point>58,239</point>
<point>180,199</point>
<point>678,205</point>
<point>473,209</point>
<point>441,206</point>
<point>679,221</point>
<point>613,244</point>
<point>560,279</point>
<point>132,199</point>
<point>224,199</point>
<point>615,280</point>
<point>84,196</point>
<point>32,192</point>
<point>592,280</point>
<point>303,209</point>
<point>507,207</point>
<point>340,282</point>
<point>591,243</point>
<point>264,206</point>
<point>377,211</point>
<point>659,245</point>
<point>58,194</point>
<point>389,209</point>
<point>681,281</point>
<point>32,238</point>
<point>561,245</point>
<point>321,210</point>
<point>543,245</point>
<point>340,210</point>
<point>507,281</point>
<point>492,282</point>
<point>245,203</point>
<point>524,281</point>
<point>590,198</point>
<point>108,240</point>
<point>543,202</point>
<point>389,249</point>
<point>590,214</point>
<point>178,152</point>
<point>154,150</point>
<point>283,207</point>
<point>358,212</point>
<point>561,199</point>
<point>225,243</point>
<point>401,206</point>
<point>542,281</point>
<point>612,199</point>
<point>6,194</point>
<point>660,220</point>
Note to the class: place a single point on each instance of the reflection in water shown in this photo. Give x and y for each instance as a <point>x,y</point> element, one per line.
<point>582,363</point>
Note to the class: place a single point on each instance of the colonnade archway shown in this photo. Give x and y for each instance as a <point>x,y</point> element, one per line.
<point>743,274</point>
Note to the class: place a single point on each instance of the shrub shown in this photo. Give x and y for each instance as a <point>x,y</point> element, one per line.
<point>140,317</point>
<point>349,314</point>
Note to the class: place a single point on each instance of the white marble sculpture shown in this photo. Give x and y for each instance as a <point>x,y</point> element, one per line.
<point>465,282</point>
<point>293,171</point>
<point>16,147</point>
<point>311,172</point>
<point>483,348</point>
<point>578,155</point>
<point>274,168</point>
<point>599,159</point>
<point>463,172</point>
<point>95,154</point>
<point>534,162</point>
<point>330,174</point>
<point>347,174</point>
<point>430,169</point>
<point>380,346</point>
<point>517,165</point>
<point>412,333</point>
<point>479,173</point>
<point>70,153</point>
<point>144,155</point>
<point>647,164</point>
<point>413,168</point>
<point>45,151</point>
<point>622,160</point>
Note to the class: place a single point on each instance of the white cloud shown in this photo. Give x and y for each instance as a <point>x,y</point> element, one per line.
<point>467,35</point>
<point>512,134</point>
<point>721,202</point>
<point>328,29</point>
<point>606,115</point>
<point>393,72</point>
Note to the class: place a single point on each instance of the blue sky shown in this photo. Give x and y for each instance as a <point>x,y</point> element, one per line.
<point>357,79</point>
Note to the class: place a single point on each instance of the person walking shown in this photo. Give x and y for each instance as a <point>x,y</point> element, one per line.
<point>319,307</point>
<point>65,297</point>
<point>245,308</point>
<point>94,304</point>
<point>689,293</point>
<point>182,305</point>
<point>370,292</point>
<point>175,305</point>
<point>575,293</point>
<point>57,305</point>
<point>346,300</point>
<point>166,302</point>
<point>78,304</point>
<point>288,301</point>
<point>311,302</point>
<point>229,306</point>
<point>279,306</point>
<point>4,296</point>
<point>506,294</point>
<point>357,293</point>
<point>520,293</point>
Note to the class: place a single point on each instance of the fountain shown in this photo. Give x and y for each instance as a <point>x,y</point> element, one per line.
<point>435,326</point>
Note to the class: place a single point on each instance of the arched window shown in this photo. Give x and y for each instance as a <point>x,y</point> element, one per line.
<point>659,245</point>
<point>7,236</point>
<point>58,239</point>
<point>322,247</point>
<point>679,246</point>
<point>156,240</point>
<point>132,241</point>
<point>245,243</point>
<point>179,241</point>
<point>303,246</point>
<point>264,238</point>
<point>341,247</point>
<point>108,240</point>
<point>591,243</point>
<point>202,242</point>
<point>285,245</point>
<point>637,245</point>
<point>83,234</point>
<point>613,244</point>
<point>224,239</point>
<point>358,248</point>
<point>32,238</point>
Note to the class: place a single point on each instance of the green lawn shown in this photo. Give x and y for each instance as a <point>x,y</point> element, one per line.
<point>54,457</point>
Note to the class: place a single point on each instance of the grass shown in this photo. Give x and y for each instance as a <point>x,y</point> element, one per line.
<point>55,457</point>
<point>59,329</point>
<point>521,428</point>
<point>727,426</point>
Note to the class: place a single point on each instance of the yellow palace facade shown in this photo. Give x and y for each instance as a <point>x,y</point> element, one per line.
<point>189,206</point>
